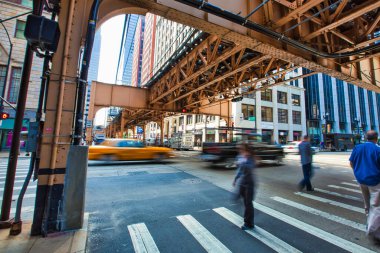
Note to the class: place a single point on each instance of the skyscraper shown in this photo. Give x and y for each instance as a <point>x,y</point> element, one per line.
<point>126,57</point>
<point>138,52</point>
<point>149,48</point>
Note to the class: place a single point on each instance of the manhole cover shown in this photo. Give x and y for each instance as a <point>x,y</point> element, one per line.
<point>191,181</point>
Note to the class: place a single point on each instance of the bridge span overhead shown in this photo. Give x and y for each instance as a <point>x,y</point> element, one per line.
<point>247,45</point>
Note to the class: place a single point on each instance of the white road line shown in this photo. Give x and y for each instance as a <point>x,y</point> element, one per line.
<point>268,239</point>
<point>350,184</point>
<point>19,188</point>
<point>354,180</point>
<point>17,173</point>
<point>338,194</point>
<point>15,177</point>
<point>141,239</point>
<point>209,242</point>
<point>331,202</point>
<point>26,196</point>
<point>328,216</point>
<point>26,209</point>
<point>328,237</point>
<point>16,181</point>
<point>344,188</point>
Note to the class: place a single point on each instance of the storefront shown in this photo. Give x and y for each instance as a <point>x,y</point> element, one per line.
<point>297,136</point>
<point>6,133</point>
<point>210,136</point>
<point>222,135</point>
<point>267,135</point>
<point>198,138</point>
<point>282,137</point>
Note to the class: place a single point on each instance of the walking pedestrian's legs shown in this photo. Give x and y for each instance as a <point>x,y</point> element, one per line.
<point>306,169</point>
<point>247,193</point>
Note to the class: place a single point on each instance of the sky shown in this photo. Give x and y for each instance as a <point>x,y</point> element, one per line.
<point>111,38</point>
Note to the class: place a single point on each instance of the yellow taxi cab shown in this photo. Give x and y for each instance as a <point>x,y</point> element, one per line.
<point>127,149</point>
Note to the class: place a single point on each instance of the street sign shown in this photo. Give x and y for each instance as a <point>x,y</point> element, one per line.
<point>88,123</point>
<point>140,130</point>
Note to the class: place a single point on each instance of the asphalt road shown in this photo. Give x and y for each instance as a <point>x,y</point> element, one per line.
<point>186,206</point>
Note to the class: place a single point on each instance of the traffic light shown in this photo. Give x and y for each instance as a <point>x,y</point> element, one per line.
<point>184,110</point>
<point>4,115</point>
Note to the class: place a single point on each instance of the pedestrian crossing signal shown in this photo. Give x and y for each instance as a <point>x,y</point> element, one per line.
<point>4,115</point>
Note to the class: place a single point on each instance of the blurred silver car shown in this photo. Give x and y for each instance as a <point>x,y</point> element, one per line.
<point>292,147</point>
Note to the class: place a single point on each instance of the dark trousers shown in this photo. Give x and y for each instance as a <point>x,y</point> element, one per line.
<point>307,174</point>
<point>247,194</point>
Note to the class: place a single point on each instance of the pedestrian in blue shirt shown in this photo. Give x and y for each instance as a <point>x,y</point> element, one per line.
<point>365,161</point>
<point>306,159</point>
<point>244,181</point>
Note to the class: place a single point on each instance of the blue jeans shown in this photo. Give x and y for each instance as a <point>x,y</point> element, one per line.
<point>307,174</point>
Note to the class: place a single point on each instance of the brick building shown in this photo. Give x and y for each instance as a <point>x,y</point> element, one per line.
<point>15,28</point>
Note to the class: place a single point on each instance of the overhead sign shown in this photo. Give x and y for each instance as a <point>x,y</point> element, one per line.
<point>140,130</point>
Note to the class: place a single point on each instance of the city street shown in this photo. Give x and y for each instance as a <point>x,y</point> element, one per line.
<point>186,206</point>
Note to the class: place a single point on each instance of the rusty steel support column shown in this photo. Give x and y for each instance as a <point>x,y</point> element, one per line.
<point>60,106</point>
<point>162,132</point>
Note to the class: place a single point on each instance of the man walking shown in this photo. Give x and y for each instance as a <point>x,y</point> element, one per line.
<point>306,159</point>
<point>365,161</point>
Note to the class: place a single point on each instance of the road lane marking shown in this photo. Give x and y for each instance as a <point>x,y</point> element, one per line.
<point>338,194</point>
<point>350,184</point>
<point>141,239</point>
<point>19,188</point>
<point>328,237</point>
<point>26,196</point>
<point>26,209</point>
<point>16,181</point>
<point>260,234</point>
<point>209,242</point>
<point>328,216</point>
<point>344,188</point>
<point>331,202</point>
<point>15,177</point>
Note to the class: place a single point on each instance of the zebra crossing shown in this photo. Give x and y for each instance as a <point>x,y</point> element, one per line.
<point>143,240</point>
<point>30,195</point>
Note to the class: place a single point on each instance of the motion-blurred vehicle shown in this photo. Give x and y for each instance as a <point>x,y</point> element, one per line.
<point>225,153</point>
<point>127,150</point>
<point>292,147</point>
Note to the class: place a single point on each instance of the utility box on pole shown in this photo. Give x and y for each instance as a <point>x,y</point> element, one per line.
<point>74,191</point>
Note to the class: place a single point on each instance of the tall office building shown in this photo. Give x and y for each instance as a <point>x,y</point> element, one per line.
<point>138,52</point>
<point>149,48</point>
<point>93,69</point>
<point>126,59</point>
<point>334,106</point>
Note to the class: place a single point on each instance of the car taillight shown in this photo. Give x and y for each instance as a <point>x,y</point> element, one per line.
<point>290,147</point>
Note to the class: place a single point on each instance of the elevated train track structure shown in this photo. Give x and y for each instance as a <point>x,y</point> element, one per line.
<point>246,45</point>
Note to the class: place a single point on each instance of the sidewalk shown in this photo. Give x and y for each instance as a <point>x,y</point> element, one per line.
<point>63,242</point>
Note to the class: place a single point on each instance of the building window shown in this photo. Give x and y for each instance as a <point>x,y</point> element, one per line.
<point>247,111</point>
<point>20,28</point>
<point>181,121</point>
<point>14,85</point>
<point>296,100</point>
<point>297,117</point>
<point>282,97</point>
<point>266,95</point>
<point>282,116</point>
<point>198,118</point>
<point>267,114</point>
<point>3,73</point>
<point>189,119</point>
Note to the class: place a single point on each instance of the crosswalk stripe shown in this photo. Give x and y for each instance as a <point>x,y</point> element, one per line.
<point>19,187</point>
<point>17,172</point>
<point>350,184</point>
<point>16,181</point>
<point>209,242</point>
<point>338,194</point>
<point>268,239</point>
<point>26,196</point>
<point>26,209</point>
<point>328,237</point>
<point>15,177</point>
<point>328,216</point>
<point>344,188</point>
<point>141,239</point>
<point>331,202</point>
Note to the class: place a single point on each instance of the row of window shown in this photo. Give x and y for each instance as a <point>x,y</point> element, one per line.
<point>249,111</point>
<point>15,81</point>
<point>282,97</point>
